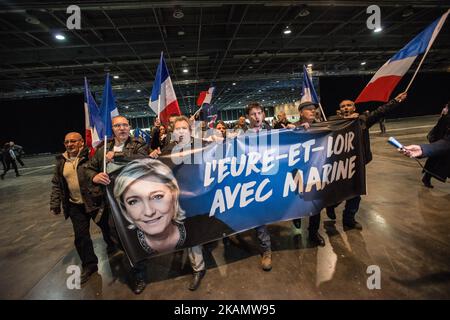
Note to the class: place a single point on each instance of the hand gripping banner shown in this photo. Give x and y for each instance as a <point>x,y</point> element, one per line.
<point>197,193</point>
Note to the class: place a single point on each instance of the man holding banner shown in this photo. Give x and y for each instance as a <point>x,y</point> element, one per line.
<point>255,115</point>
<point>348,111</point>
<point>121,148</point>
<point>307,112</point>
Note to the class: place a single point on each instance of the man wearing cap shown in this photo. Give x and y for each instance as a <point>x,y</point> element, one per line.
<point>307,112</point>
<point>367,120</point>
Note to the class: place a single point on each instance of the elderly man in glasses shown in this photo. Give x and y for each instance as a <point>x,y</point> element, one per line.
<point>348,111</point>
<point>122,147</point>
<point>80,200</point>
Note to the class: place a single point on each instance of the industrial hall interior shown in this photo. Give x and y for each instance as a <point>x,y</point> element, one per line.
<point>224,150</point>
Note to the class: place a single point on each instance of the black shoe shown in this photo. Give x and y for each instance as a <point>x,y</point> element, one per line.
<point>297,223</point>
<point>17,175</point>
<point>316,239</point>
<point>426,180</point>
<point>139,285</point>
<point>87,273</point>
<point>196,280</point>
<point>3,177</point>
<point>331,214</point>
<point>352,224</point>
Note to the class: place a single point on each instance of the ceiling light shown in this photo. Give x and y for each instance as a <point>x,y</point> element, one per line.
<point>116,77</point>
<point>303,11</point>
<point>287,30</point>
<point>185,70</point>
<point>178,13</point>
<point>181,33</point>
<point>234,83</point>
<point>250,67</point>
<point>263,100</point>
<point>32,20</point>
<point>138,90</point>
<point>378,29</point>
<point>59,37</point>
<point>407,13</point>
<point>363,63</point>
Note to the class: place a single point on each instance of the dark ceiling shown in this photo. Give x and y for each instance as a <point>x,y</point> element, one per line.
<point>239,46</point>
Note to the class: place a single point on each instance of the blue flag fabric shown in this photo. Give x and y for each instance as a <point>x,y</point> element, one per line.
<point>139,133</point>
<point>308,91</point>
<point>108,109</point>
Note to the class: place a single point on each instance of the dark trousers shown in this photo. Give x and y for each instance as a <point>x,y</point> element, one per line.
<point>8,165</point>
<point>263,238</point>
<point>19,160</point>
<point>382,125</point>
<point>351,208</point>
<point>314,223</point>
<point>83,243</point>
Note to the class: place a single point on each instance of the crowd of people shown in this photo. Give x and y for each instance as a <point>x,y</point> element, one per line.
<point>79,183</point>
<point>10,154</point>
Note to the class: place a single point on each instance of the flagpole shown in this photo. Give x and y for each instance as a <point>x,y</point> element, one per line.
<point>417,70</point>
<point>323,113</point>
<point>104,153</point>
<point>159,97</point>
<point>426,52</point>
<point>199,109</point>
<point>106,126</point>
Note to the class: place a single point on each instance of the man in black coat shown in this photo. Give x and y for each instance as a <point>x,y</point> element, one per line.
<point>121,148</point>
<point>307,112</point>
<point>80,200</point>
<point>348,111</point>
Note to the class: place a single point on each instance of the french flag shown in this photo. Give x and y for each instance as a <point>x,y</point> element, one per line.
<point>163,100</point>
<point>209,113</point>
<point>93,121</point>
<point>389,75</point>
<point>308,91</point>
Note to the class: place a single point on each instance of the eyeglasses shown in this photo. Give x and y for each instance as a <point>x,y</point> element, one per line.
<point>71,141</point>
<point>118,125</point>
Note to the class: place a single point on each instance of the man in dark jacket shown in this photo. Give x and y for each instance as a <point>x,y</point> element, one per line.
<point>80,200</point>
<point>121,148</point>
<point>348,111</point>
<point>307,112</point>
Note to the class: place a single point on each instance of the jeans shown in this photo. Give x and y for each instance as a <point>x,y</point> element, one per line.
<point>263,238</point>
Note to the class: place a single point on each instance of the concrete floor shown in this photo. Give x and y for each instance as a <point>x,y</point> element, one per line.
<point>406,233</point>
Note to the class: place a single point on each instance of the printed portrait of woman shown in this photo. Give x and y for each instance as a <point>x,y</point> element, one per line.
<point>147,193</point>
